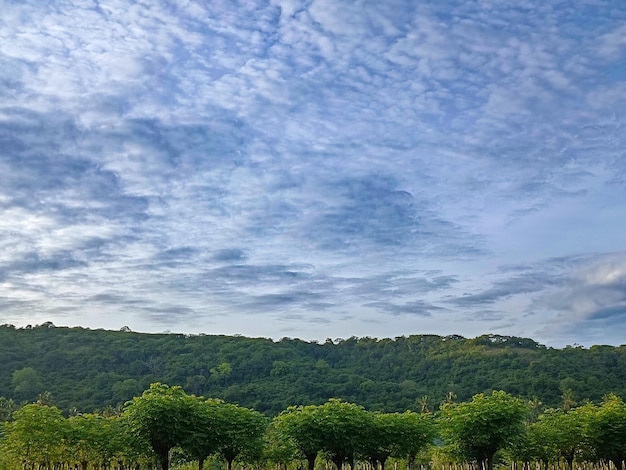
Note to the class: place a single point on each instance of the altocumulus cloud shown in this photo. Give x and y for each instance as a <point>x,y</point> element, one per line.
<point>315,168</point>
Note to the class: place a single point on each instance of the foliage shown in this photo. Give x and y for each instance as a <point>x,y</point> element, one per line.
<point>36,434</point>
<point>27,383</point>
<point>192,429</point>
<point>207,427</point>
<point>564,431</point>
<point>479,428</point>
<point>607,430</point>
<point>412,433</point>
<point>300,426</point>
<point>278,447</point>
<point>343,428</point>
<point>94,369</point>
<point>241,434</point>
<point>162,416</point>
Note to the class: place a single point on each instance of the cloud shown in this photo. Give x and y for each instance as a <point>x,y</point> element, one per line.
<point>612,45</point>
<point>363,213</point>
<point>418,308</point>
<point>230,254</point>
<point>528,283</point>
<point>592,291</point>
<point>448,165</point>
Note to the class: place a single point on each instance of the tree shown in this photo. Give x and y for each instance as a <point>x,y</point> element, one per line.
<point>413,433</point>
<point>342,430</point>
<point>534,445</point>
<point>163,417</point>
<point>555,434</point>
<point>86,434</point>
<point>380,436</point>
<point>241,433</point>
<point>208,429</point>
<point>36,435</point>
<point>279,448</point>
<point>567,400</point>
<point>26,383</point>
<point>484,425</point>
<point>607,430</point>
<point>221,372</point>
<point>300,424</point>
<point>7,407</point>
<point>563,431</point>
<point>424,404</point>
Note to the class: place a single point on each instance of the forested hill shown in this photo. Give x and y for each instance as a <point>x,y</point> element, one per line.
<point>93,369</point>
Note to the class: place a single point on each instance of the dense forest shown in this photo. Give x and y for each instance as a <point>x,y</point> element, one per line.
<point>91,370</point>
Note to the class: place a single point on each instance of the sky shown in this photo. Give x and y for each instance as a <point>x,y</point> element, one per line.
<point>315,168</point>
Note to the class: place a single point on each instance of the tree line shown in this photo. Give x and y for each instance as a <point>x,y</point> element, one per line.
<point>165,423</point>
<point>93,369</point>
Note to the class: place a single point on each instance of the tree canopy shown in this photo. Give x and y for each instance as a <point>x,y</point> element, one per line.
<point>165,420</point>
<point>481,427</point>
<point>93,369</point>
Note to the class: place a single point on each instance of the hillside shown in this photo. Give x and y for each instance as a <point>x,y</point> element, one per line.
<point>92,369</point>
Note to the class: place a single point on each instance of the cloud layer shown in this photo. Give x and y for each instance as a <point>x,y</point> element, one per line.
<point>314,168</point>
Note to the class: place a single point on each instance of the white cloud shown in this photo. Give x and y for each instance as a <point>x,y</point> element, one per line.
<point>612,45</point>
<point>312,161</point>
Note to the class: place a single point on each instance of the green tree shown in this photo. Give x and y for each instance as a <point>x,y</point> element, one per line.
<point>221,372</point>
<point>279,448</point>
<point>27,383</point>
<point>7,407</point>
<point>241,433</point>
<point>125,443</point>
<point>86,434</point>
<point>535,445</point>
<point>380,435</point>
<point>342,430</point>
<point>413,433</point>
<point>555,434</point>
<point>568,401</point>
<point>36,435</point>
<point>607,430</point>
<point>484,425</point>
<point>424,404</point>
<point>562,431</point>
<point>402,435</point>
<point>208,429</point>
<point>163,417</point>
<point>301,425</point>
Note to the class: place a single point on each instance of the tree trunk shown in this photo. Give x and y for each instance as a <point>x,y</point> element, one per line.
<point>338,461</point>
<point>310,458</point>
<point>200,464</point>
<point>164,460</point>
<point>229,463</point>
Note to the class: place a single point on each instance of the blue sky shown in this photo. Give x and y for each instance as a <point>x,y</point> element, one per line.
<point>315,168</point>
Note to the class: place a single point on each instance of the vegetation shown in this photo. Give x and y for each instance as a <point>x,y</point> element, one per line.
<point>74,398</point>
<point>165,423</point>
<point>478,429</point>
<point>91,370</point>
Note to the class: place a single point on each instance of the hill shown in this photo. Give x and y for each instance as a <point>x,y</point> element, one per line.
<point>92,369</point>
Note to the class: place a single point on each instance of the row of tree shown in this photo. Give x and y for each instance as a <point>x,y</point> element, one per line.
<point>166,419</point>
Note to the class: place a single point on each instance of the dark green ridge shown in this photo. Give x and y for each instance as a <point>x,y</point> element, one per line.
<point>93,369</point>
